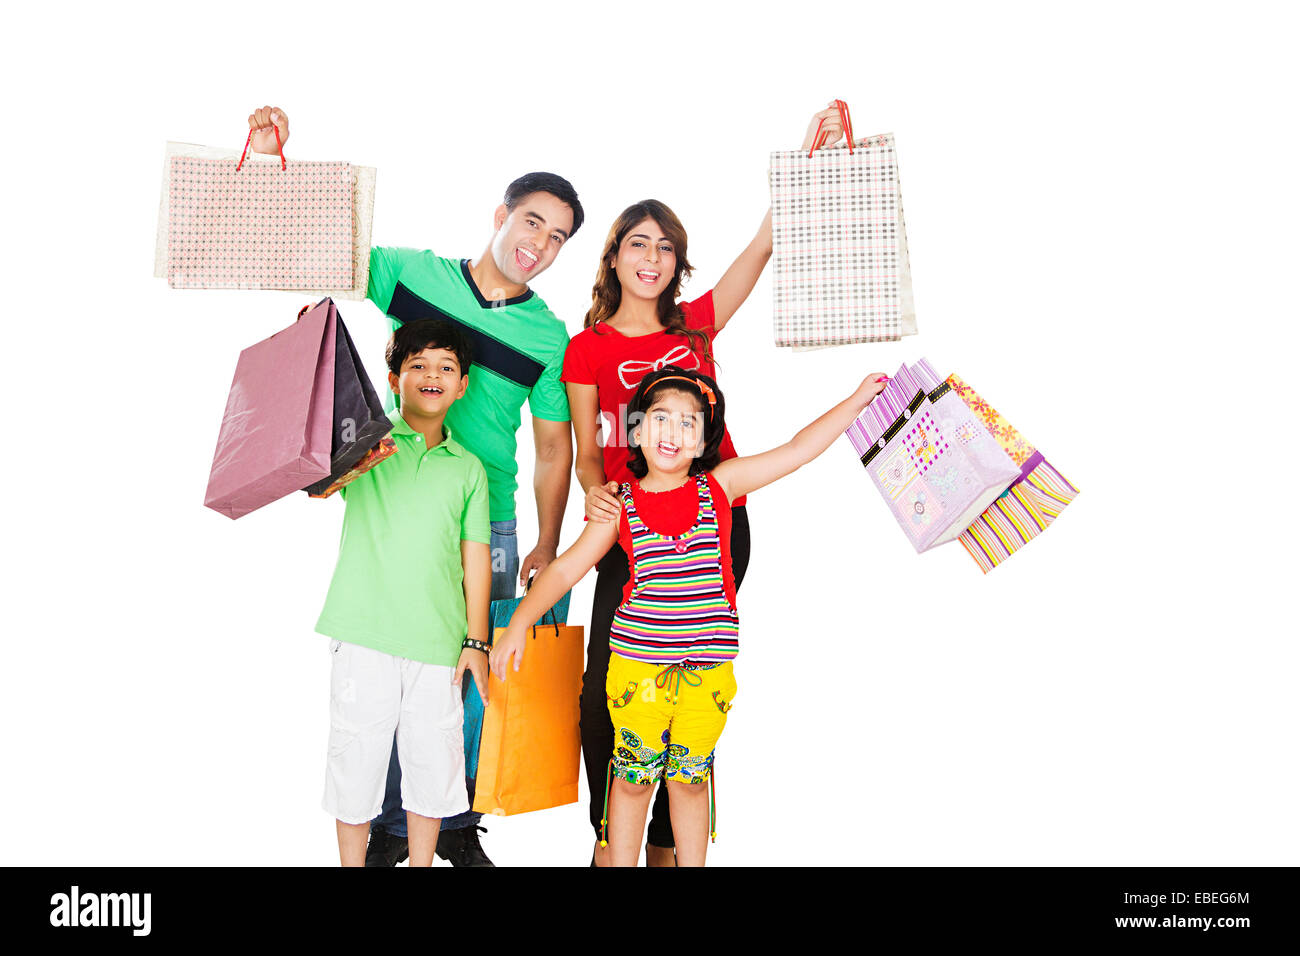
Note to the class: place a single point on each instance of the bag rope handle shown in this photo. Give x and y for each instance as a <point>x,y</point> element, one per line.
<point>541,621</point>
<point>820,137</point>
<point>278,145</point>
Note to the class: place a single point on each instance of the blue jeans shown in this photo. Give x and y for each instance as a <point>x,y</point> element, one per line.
<point>505,574</point>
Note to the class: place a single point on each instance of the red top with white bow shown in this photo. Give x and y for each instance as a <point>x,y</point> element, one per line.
<point>615,363</point>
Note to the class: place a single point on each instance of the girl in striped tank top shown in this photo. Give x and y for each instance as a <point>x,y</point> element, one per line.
<point>670,682</point>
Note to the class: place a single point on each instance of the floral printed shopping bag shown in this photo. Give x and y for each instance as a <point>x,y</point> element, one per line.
<point>1033,501</point>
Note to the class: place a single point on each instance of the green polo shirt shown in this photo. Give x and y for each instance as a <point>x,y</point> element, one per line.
<point>397,587</point>
<point>518,348</point>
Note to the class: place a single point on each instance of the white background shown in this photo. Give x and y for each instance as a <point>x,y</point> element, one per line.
<point>1101,208</point>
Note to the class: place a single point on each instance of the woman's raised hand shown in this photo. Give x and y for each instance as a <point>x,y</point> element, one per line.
<point>831,126</point>
<point>261,123</point>
<point>602,505</point>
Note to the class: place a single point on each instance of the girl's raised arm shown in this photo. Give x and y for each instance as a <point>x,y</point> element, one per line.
<point>740,476</point>
<point>548,587</point>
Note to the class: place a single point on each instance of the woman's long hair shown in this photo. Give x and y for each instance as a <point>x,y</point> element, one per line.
<point>607,293</point>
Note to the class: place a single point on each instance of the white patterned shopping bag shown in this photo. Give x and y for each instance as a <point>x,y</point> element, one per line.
<point>234,221</point>
<point>840,271</point>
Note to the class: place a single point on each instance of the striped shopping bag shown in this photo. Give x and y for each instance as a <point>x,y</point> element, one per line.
<point>840,271</point>
<point>1032,502</point>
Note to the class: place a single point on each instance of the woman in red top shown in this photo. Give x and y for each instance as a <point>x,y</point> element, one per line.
<point>636,326</point>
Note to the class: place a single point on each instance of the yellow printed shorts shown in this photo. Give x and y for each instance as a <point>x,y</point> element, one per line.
<point>667,718</point>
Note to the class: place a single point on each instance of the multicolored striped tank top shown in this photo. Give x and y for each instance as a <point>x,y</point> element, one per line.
<point>678,609</point>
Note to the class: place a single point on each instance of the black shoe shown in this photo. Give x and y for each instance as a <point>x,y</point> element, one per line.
<point>462,848</point>
<point>386,849</point>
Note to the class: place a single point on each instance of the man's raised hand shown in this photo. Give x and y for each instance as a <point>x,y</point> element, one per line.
<point>264,123</point>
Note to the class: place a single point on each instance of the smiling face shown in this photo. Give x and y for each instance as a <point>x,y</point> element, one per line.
<point>646,261</point>
<point>529,237</point>
<point>671,435</point>
<point>430,381</point>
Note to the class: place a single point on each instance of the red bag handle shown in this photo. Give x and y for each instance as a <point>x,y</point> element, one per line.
<point>278,145</point>
<point>819,139</point>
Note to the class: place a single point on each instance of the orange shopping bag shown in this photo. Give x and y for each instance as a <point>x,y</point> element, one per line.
<point>529,754</point>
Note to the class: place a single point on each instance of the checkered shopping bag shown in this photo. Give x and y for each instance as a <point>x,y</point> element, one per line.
<point>840,270</point>
<point>936,468</point>
<point>233,221</point>
<point>1033,501</point>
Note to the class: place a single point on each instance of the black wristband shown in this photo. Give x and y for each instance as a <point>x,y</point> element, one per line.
<point>474,645</point>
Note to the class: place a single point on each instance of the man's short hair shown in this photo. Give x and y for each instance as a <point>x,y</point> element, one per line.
<point>412,338</point>
<point>557,186</point>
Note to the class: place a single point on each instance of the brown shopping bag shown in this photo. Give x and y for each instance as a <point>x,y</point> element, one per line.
<point>360,423</point>
<point>529,752</point>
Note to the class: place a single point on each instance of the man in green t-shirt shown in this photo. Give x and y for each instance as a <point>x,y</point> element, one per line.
<point>518,352</point>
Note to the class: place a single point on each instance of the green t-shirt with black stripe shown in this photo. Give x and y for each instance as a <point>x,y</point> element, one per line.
<point>518,355</point>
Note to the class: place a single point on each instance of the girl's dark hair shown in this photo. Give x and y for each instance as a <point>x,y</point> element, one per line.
<point>607,293</point>
<point>654,385</point>
<point>412,338</point>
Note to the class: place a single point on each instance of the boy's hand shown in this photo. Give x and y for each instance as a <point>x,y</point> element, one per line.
<point>602,505</point>
<point>510,646</point>
<point>871,386</point>
<point>477,664</point>
<point>261,121</point>
<point>832,127</point>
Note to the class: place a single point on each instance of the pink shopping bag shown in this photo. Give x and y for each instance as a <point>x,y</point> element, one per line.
<point>277,429</point>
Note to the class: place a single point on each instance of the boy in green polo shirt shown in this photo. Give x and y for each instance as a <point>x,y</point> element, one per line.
<point>519,347</point>
<point>408,606</point>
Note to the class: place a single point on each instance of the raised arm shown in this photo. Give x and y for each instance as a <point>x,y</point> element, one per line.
<point>589,462</point>
<point>548,587</point>
<point>738,281</point>
<point>740,476</point>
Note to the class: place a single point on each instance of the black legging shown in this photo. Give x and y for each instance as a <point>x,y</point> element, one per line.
<point>597,729</point>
